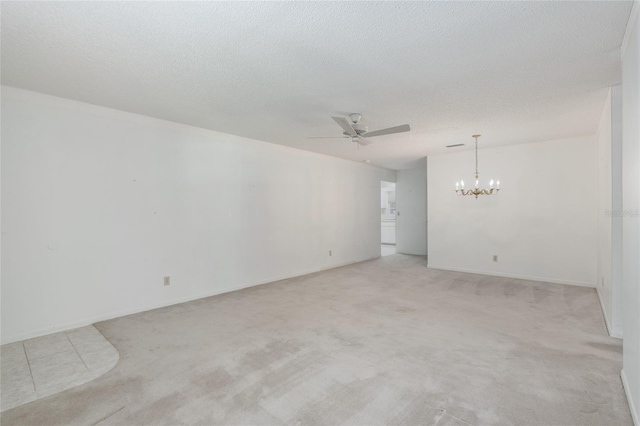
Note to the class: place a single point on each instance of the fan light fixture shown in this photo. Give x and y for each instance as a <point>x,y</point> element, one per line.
<point>477,191</point>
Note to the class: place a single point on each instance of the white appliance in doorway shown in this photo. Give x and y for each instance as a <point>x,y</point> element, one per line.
<point>388,212</point>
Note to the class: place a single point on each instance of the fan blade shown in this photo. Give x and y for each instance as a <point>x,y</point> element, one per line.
<point>328,137</point>
<point>344,123</point>
<point>388,131</point>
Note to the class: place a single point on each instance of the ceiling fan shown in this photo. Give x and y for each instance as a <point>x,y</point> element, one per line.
<point>360,133</point>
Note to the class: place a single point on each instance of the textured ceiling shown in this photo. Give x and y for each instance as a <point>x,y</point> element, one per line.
<point>277,71</point>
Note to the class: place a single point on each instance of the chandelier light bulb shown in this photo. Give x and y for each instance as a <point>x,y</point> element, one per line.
<point>457,185</point>
<point>491,184</point>
<point>461,183</point>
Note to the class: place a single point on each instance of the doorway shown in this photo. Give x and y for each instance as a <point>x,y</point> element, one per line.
<point>387,218</point>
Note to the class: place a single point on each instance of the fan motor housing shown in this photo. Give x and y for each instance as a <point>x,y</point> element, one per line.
<point>359,128</point>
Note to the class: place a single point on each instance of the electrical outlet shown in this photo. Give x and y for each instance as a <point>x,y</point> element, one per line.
<point>167,280</point>
<point>329,252</point>
<point>495,257</point>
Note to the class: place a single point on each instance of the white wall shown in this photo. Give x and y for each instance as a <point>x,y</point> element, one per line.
<point>617,296</point>
<point>99,205</point>
<point>411,204</point>
<point>542,224</point>
<point>609,143</point>
<point>631,207</point>
<point>603,139</point>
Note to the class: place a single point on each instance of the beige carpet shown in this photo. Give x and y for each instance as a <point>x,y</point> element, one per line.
<point>381,342</point>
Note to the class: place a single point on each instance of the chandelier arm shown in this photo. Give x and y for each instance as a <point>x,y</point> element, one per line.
<point>476,191</point>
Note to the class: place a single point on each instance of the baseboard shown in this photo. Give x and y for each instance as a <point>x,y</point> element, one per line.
<point>632,407</point>
<point>411,253</point>
<point>117,314</point>
<point>610,329</point>
<point>604,312</point>
<point>508,275</point>
<point>616,335</point>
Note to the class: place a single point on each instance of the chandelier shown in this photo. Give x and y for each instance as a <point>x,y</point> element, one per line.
<point>477,191</point>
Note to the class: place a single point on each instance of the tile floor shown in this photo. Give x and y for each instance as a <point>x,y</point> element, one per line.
<point>36,368</point>
<point>387,249</point>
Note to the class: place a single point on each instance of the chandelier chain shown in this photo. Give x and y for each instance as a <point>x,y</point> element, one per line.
<point>476,137</point>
